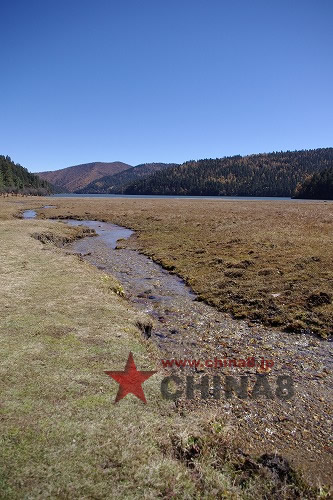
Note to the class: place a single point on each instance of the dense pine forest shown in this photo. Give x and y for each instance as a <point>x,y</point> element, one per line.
<point>117,183</point>
<point>317,186</point>
<point>271,174</point>
<point>16,179</point>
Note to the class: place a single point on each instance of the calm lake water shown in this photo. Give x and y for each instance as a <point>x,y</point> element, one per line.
<point>148,196</point>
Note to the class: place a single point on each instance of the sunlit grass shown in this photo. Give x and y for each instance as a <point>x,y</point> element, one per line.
<point>268,262</point>
<point>62,324</point>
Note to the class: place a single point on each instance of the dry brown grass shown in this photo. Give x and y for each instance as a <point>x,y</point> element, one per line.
<point>269,262</point>
<point>61,434</point>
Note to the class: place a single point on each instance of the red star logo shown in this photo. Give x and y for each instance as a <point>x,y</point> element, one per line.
<point>130,380</point>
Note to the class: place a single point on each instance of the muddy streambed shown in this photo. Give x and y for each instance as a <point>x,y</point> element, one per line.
<point>182,324</point>
<point>184,327</point>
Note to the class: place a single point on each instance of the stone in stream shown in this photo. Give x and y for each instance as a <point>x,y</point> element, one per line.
<point>145,328</point>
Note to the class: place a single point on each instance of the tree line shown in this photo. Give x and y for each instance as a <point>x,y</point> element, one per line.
<point>16,179</point>
<point>318,186</point>
<point>271,174</point>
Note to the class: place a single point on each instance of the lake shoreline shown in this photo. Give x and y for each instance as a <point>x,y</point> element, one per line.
<point>187,197</point>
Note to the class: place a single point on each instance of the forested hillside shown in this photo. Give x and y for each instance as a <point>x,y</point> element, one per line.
<point>318,186</point>
<point>271,174</point>
<point>117,183</point>
<point>16,179</point>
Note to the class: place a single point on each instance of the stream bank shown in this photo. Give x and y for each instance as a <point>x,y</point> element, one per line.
<point>186,328</point>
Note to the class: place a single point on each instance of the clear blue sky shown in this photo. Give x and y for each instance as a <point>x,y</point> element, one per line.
<point>165,81</point>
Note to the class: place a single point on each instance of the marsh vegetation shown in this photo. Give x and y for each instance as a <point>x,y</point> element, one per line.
<point>64,324</point>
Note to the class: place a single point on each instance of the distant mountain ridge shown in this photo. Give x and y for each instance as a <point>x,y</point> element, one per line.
<point>265,174</point>
<point>77,177</point>
<point>117,183</point>
<point>271,174</point>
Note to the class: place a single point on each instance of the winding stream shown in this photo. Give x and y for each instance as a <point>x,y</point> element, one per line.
<point>185,328</point>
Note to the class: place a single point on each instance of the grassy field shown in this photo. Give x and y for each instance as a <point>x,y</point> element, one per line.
<point>62,325</point>
<point>268,262</point>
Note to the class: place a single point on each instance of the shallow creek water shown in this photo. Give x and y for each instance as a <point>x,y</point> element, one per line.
<point>183,326</point>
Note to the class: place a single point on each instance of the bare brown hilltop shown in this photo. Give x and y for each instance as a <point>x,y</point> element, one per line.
<point>78,176</point>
